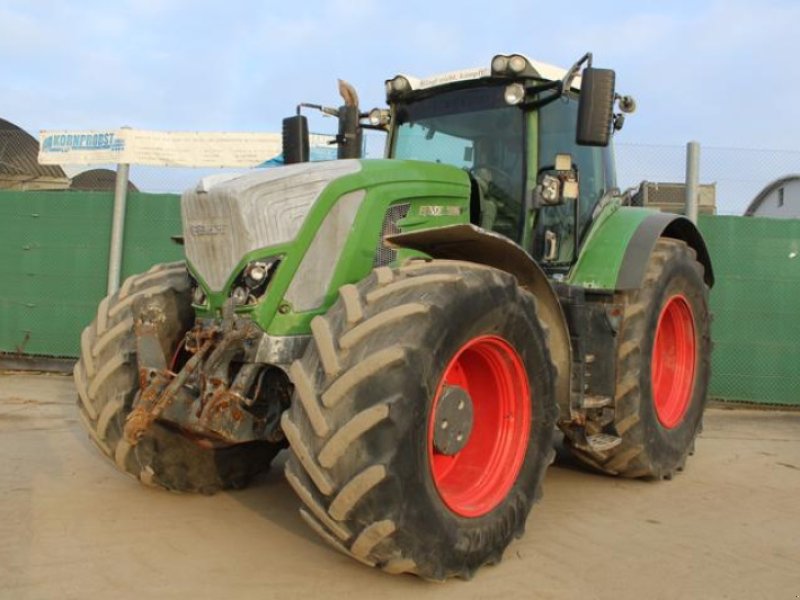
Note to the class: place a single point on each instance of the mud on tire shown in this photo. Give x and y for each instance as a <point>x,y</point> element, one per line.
<point>656,440</point>
<point>107,381</point>
<point>358,425</point>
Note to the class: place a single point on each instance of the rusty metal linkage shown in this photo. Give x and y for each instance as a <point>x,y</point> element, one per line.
<point>158,394</point>
<point>200,398</point>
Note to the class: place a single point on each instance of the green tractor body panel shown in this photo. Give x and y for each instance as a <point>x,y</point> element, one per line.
<point>602,254</point>
<point>337,242</point>
<point>614,254</point>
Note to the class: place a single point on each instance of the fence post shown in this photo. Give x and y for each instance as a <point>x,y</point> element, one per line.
<point>692,180</point>
<point>117,228</point>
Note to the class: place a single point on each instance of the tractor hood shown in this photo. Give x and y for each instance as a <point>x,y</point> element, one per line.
<point>324,223</point>
<point>226,217</point>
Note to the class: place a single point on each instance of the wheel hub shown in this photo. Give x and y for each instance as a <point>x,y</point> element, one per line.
<point>475,473</point>
<point>453,420</point>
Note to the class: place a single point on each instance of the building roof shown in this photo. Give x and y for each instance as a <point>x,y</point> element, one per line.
<point>19,152</point>
<point>98,180</point>
<point>764,194</point>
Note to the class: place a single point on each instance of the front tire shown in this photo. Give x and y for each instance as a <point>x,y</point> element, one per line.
<point>377,482</point>
<point>107,382</point>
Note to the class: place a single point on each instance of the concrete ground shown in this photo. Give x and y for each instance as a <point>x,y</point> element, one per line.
<point>71,526</point>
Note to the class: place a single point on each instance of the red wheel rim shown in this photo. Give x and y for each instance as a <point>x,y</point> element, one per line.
<point>673,361</point>
<point>476,479</point>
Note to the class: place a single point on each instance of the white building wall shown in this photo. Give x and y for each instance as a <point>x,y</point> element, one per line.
<point>782,202</point>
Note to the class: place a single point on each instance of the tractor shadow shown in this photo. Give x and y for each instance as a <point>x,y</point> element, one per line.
<point>564,459</point>
<point>270,497</point>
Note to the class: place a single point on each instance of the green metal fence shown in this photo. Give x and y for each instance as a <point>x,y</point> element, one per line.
<point>54,261</point>
<point>756,307</point>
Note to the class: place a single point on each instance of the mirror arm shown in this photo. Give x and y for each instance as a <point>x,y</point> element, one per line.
<point>573,70</point>
<point>383,128</point>
<point>534,90</point>
<point>559,87</point>
<point>325,110</point>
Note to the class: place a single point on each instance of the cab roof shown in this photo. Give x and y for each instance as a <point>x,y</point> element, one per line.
<point>536,69</point>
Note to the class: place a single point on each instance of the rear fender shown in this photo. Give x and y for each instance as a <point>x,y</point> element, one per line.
<point>470,243</point>
<point>618,248</point>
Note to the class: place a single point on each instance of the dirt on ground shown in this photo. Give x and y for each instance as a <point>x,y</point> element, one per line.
<point>72,526</point>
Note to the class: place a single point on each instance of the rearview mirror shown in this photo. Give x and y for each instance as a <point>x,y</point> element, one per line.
<point>295,140</point>
<point>595,107</point>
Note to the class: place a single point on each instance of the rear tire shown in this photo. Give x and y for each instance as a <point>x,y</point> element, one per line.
<point>363,455</point>
<point>663,369</point>
<point>107,382</point>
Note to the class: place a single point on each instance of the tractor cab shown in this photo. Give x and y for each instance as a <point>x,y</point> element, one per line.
<point>537,149</point>
<point>534,139</point>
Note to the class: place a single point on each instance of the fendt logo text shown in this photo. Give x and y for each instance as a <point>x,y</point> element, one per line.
<point>203,229</point>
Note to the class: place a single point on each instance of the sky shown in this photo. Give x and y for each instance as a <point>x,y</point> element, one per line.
<point>723,73</point>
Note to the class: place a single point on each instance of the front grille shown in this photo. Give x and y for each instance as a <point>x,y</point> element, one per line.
<point>384,255</point>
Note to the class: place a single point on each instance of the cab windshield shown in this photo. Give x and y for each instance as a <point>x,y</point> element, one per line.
<point>476,130</point>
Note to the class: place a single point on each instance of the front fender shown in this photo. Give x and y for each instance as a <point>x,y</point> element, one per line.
<point>470,243</point>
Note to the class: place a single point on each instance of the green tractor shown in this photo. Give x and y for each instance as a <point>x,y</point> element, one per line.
<point>415,329</point>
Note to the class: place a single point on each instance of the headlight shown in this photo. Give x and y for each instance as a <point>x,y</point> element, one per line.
<point>499,64</point>
<point>239,296</point>
<point>514,93</point>
<point>517,63</point>
<point>378,117</point>
<point>397,86</point>
<point>256,274</point>
<point>550,190</point>
<point>252,282</point>
<point>400,84</point>
<point>514,65</point>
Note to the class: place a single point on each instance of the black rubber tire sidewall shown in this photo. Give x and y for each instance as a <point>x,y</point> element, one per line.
<point>164,457</point>
<point>668,447</point>
<point>437,535</point>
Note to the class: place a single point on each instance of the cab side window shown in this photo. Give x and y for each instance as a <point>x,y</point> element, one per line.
<point>557,136</point>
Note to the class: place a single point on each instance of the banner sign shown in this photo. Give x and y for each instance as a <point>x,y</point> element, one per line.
<point>161,148</point>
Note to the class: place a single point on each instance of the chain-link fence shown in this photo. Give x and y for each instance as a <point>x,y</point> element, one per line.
<point>739,173</point>
<point>755,300</point>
